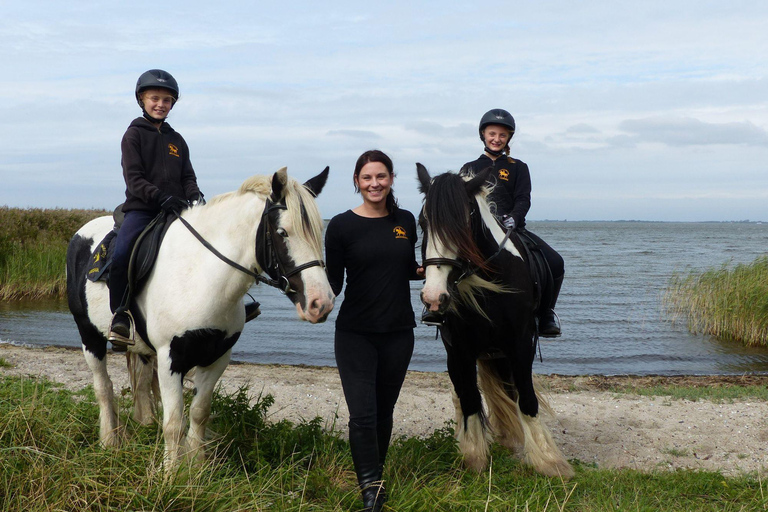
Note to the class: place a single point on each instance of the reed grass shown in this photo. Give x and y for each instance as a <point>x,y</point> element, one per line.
<point>730,303</point>
<point>50,460</point>
<point>33,247</point>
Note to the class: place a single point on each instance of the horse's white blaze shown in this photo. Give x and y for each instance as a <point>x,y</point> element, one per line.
<point>493,225</point>
<point>436,276</point>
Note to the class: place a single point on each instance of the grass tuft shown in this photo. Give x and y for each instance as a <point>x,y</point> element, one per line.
<point>728,303</point>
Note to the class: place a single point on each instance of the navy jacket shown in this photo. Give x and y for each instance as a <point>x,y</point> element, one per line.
<point>511,193</point>
<point>155,162</point>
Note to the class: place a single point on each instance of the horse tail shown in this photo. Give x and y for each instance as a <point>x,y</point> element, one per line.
<point>142,372</point>
<point>503,411</point>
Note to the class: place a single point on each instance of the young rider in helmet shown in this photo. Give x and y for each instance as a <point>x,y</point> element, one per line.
<point>511,197</point>
<point>158,176</point>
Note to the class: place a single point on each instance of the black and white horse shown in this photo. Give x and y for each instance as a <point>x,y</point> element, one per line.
<point>190,313</point>
<point>477,277</point>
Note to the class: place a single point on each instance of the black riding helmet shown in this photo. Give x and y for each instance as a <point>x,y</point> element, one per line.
<point>156,79</point>
<point>497,116</point>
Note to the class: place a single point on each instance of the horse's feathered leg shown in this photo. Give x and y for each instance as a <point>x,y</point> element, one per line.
<point>205,380</point>
<point>471,433</point>
<point>105,397</point>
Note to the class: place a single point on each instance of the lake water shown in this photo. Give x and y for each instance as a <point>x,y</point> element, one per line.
<point>610,307</point>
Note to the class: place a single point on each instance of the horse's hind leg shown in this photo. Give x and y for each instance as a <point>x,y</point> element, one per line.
<point>501,396</point>
<point>105,397</point>
<point>205,380</point>
<point>143,374</point>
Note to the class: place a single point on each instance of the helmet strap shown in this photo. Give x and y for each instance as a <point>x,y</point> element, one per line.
<point>492,152</point>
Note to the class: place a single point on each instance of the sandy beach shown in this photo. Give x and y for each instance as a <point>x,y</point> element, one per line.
<point>591,424</point>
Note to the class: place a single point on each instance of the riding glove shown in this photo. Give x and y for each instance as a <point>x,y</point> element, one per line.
<point>197,200</point>
<point>171,203</point>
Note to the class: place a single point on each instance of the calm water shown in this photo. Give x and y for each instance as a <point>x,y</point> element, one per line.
<point>610,307</point>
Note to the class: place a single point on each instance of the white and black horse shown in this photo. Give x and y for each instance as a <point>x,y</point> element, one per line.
<point>477,277</point>
<point>190,313</point>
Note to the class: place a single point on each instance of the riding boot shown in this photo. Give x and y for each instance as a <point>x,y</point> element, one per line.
<point>383,436</point>
<point>549,323</point>
<point>365,455</point>
<point>120,327</point>
<point>252,311</point>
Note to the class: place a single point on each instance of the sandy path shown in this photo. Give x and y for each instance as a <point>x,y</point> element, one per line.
<point>592,425</point>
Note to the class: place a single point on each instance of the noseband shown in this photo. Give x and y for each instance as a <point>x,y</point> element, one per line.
<point>267,256</point>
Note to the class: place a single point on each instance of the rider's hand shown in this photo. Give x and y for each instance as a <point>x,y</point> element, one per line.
<point>197,200</point>
<point>508,221</point>
<point>173,204</point>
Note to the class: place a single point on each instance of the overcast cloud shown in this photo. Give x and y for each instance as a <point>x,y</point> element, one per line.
<point>625,110</point>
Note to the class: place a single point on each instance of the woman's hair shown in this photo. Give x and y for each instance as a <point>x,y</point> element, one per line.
<point>374,155</point>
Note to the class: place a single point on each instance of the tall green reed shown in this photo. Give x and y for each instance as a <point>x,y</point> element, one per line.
<point>730,303</point>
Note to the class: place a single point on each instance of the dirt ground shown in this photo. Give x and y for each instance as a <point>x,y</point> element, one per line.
<point>592,424</point>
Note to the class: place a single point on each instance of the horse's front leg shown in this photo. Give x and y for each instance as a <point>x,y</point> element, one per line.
<point>200,410</point>
<point>471,432</point>
<point>105,397</point>
<point>172,396</point>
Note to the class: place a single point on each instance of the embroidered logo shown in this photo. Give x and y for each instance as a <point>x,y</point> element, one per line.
<point>173,150</point>
<point>400,232</point>
<point>504,174</point>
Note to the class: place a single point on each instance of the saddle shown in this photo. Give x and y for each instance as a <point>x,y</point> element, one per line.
<point>143,255</point>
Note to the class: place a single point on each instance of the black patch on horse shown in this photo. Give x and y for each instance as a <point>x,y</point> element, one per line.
<point>78,255</point>
<point>200,347</point>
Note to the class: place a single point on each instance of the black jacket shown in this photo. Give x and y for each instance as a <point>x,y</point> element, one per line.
<point>155,162</point>
<point>511,193</point>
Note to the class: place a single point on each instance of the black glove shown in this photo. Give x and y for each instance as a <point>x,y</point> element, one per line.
<point>173,204</point>
<point>197,200</point>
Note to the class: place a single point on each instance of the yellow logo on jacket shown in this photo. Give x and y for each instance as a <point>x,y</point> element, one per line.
<point>173,150</point>
<point>400,232</point>
<point>504,174</point>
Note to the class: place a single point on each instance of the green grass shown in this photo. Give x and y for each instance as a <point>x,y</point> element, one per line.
<point>50,460</point>
<point>730,303</point>
<point>33,246</point>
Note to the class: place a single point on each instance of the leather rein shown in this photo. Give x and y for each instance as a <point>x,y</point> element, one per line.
<point>274,267</point>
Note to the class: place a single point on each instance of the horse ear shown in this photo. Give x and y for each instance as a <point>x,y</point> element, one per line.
<point>424,178</point>
<point>316,184</point>
<point>478,181</point>
<point>279,181</point>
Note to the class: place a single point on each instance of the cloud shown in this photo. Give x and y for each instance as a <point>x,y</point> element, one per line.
<point>686,131</point>
<point>356,134</point>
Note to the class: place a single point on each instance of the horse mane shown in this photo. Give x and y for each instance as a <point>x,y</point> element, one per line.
<point>304,215</point>
<point>447,209</point>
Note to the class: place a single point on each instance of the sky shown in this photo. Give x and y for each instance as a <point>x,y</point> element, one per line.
<point>625,110</point>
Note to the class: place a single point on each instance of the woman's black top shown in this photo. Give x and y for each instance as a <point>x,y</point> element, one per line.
<point>378,255</point>
<point>511,194</point>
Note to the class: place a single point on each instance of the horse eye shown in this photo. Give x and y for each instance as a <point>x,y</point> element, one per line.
<point>282,232</point>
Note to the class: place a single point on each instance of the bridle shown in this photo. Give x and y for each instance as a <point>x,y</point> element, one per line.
<point>466,268</point>
<point>267,256</point>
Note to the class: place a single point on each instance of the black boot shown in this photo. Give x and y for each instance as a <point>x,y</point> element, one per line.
<point>365,454</point>
<point>549,323</point>
<point>252,311</point>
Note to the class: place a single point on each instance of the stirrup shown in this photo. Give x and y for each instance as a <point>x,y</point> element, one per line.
<point>119,341</point>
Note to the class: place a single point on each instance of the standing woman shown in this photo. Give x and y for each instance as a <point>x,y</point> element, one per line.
<point>375,244</point>
<point>511,199</point>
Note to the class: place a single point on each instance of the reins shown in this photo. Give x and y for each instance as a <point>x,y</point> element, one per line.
<point>281,281</point>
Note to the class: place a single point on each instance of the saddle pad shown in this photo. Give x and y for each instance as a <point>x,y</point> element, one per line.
<point>98,265</point>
